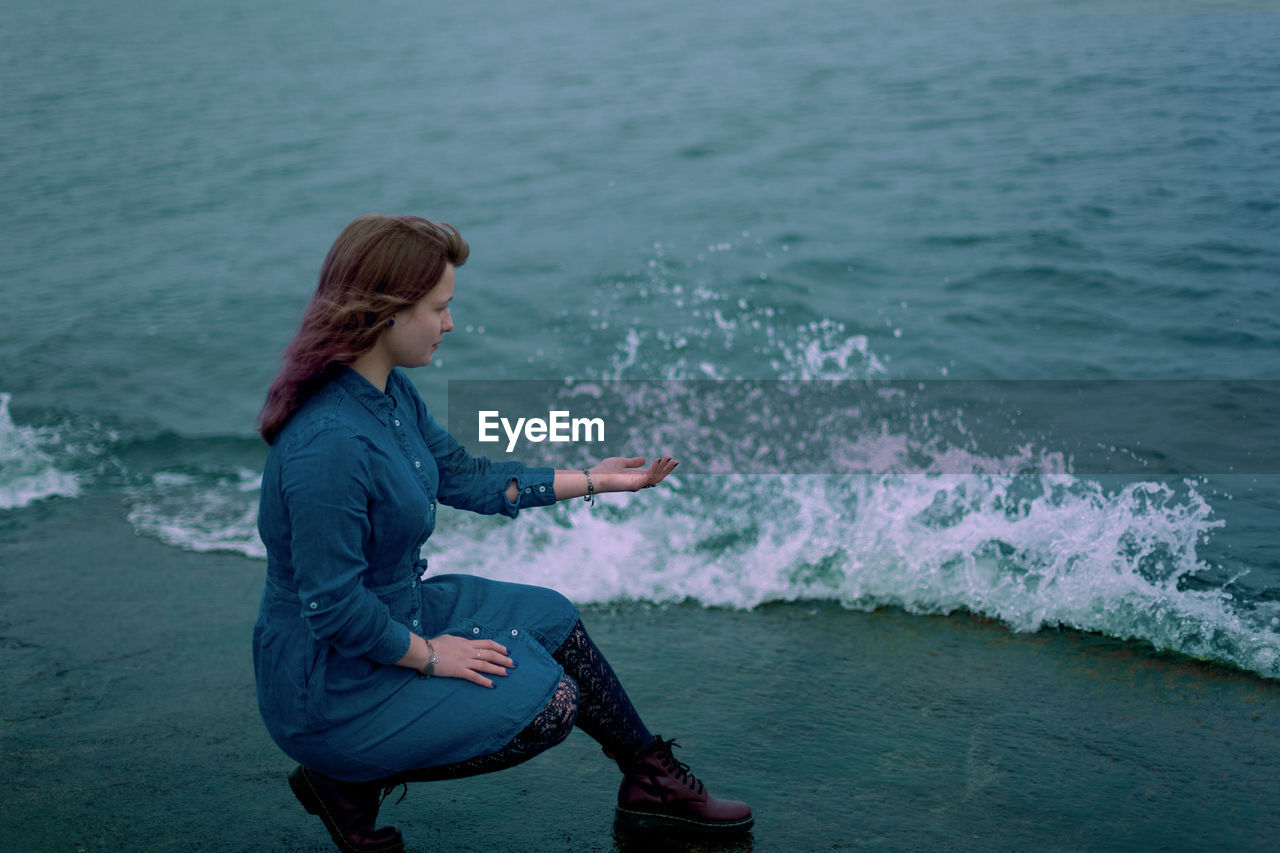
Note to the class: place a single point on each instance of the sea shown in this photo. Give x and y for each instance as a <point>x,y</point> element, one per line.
<point>958,212</point>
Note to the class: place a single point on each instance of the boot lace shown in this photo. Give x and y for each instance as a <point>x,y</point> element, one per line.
<point>390,789</point>
<point>675,766</point>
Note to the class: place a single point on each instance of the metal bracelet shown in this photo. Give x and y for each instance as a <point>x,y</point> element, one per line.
<point>428,670</point>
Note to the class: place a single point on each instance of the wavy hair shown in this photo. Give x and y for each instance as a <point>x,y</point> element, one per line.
<point>378,266</point>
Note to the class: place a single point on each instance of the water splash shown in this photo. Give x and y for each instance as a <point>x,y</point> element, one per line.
<point>28,471</point>
<point>702,330</point>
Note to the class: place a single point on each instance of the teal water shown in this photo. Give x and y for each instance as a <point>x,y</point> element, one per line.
<point>1012,190</point>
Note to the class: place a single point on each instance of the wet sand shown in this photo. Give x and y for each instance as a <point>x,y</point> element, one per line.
<point>129,723</point>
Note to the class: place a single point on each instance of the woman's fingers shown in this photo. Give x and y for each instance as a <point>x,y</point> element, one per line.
<point>491,662</point>
<point>495,657</point>
<point>476,678</point>
<point>488,662</point>
<point>658,471</point>
<point>486,647</point>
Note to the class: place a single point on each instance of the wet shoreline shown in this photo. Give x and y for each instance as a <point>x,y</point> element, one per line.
<point>129,722</point>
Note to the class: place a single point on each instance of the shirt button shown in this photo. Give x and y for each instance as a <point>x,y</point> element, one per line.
<point>527,490</point>
<point>396,422</point>
<point>415,583</point>
<point>542,488</point>
<point>417,464</point>
<point>514,632</point>
<point>475,630</point>
<point>415,623</point>
<point>314,605</point>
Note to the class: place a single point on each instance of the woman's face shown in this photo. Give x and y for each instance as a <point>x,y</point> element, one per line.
<point>419,329</point>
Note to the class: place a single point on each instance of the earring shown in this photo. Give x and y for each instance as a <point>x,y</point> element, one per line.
<point>391,322</point>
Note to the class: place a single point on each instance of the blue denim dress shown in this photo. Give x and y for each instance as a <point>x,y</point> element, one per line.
<point>348,499</point>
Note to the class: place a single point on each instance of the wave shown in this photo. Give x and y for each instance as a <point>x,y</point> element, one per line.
<point>1038,549</point>
<point>207,508</point>
<point>1031,550</point>
<point>28,470</point>
<point>1016,535</point>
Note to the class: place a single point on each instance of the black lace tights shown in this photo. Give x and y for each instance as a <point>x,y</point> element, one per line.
<point>604,710</point>
<point>589,694</point>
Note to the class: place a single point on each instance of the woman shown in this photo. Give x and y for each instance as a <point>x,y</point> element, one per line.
<point>370,672</point>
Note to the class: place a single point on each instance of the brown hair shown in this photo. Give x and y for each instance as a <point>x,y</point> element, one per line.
<point>378,266</point>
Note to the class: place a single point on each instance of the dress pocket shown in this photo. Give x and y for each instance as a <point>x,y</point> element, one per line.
<point>280,669</point>
<point>313,690</point>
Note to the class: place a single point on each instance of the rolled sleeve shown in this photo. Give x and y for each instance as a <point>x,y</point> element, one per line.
<point>325,490</point>
<point>534,486</point>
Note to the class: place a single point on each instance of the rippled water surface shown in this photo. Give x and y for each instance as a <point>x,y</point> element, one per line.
<point>1008,190</point>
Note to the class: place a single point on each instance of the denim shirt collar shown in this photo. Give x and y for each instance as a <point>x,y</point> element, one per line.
<point>381,405</point>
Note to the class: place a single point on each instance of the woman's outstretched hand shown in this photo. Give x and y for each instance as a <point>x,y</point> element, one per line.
<point>625,474</point>
<point>470,659</point>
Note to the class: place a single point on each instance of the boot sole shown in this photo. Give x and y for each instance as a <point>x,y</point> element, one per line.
<point>651,821</point>
<point>311,801</point>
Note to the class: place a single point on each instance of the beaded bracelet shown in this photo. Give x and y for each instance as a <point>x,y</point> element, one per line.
<point>590,496</point>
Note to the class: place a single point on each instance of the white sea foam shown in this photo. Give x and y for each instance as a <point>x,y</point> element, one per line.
<point>27,472</point>
<point>1032,550</point>
<point>1039,548</point>
<point>203,509</point>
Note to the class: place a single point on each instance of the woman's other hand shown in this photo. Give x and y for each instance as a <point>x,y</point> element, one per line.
<point>470,659</point>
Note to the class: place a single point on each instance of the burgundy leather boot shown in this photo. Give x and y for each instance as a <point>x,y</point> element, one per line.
<point>659,792</point>
<point>348,810</point>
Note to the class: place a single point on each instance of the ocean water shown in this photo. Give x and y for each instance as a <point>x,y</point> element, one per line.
<point>822,192</point>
